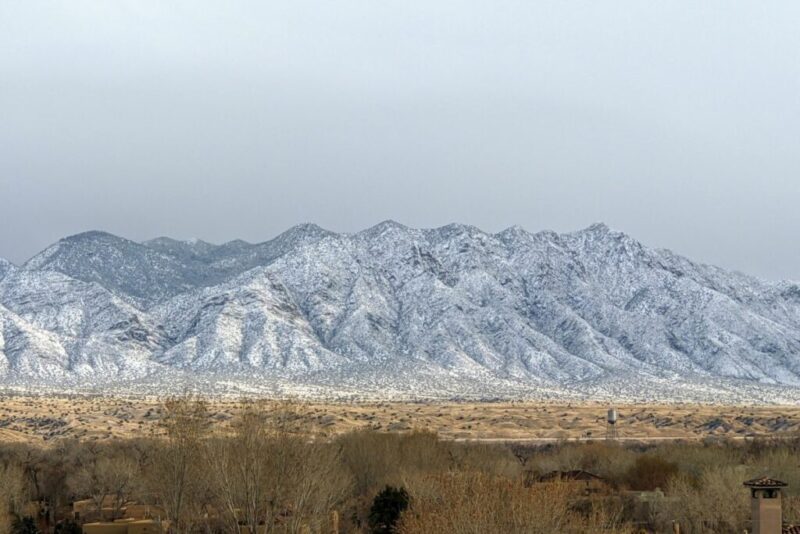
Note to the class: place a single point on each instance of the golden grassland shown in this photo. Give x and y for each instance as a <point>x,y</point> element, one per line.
<point>27,418</point>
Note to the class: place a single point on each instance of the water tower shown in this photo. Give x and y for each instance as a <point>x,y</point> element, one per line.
<point>611,424</point>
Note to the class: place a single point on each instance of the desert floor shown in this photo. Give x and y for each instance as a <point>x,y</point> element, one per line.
<point>44,418</point>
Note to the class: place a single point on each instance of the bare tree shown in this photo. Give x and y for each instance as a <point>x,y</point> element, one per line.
<point>12,491</point>
<point>473,503</point>
<point>269,475</point>
<point>175,472</point>
<point>240,472</point>
<point>690,498</point>
<point>105,477</point>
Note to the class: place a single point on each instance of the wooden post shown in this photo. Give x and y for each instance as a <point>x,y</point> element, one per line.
<point>335,522</point>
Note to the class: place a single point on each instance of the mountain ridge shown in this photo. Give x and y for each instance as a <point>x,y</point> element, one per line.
<point>419,311</point>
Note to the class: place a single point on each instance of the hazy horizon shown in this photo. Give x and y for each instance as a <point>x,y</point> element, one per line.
<point>675,123</point>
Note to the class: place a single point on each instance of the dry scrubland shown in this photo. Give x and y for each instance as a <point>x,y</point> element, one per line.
<point>283,467</point>
<point>26,418</point>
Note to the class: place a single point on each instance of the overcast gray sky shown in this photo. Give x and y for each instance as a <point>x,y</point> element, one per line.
<point>677,122</point>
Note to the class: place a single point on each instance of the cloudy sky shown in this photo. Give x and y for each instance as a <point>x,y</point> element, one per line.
<point>677,122</point>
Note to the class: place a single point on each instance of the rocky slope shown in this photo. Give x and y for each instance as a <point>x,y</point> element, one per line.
<point>395,311</point>
<point>6,267</point>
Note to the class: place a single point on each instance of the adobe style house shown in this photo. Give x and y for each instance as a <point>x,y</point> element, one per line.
<point>86,510</point>
<point>114,517</point>
<point>126,526</point>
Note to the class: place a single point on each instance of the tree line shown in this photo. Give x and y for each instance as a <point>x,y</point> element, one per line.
<point>264,472</point>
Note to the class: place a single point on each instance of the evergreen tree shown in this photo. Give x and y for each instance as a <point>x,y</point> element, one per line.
<point>386,509</point>
<point>68,527</point>
<point>24,525</point>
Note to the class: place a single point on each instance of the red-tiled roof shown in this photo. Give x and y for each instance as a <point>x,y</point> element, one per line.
<point>765,482</point>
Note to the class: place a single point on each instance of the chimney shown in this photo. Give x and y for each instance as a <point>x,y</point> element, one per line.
<point>765,505</point>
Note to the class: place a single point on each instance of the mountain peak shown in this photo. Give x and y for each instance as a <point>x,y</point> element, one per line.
<point>93,235</point>
<point>309,229</point>
<point>601,232</point>
<point>382,227</point>
<point>597,228</point>
<point>458,228</point>
<point>512,231</point>
<point>301,233</point>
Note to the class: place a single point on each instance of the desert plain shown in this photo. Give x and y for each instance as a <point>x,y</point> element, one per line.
<point>34,418</point>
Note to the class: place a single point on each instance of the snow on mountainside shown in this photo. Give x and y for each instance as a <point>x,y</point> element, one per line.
<point>26,351</point>
<point>6,267</point>
<point>150,272</point>
<point>120,265</point>
<point>249,322</point>
<point>98,332</point>
<point>396,311</point>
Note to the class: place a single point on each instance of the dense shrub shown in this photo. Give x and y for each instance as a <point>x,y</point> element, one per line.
<point>650,472</point>
<point>24,525</point>
<point>476,503</point>
<point>714,502</point>
<point>386,509</point>
<point>68,527</point>
<point>377,459</point>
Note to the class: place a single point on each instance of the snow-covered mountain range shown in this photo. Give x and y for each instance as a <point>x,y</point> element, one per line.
<point>397,312</point>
